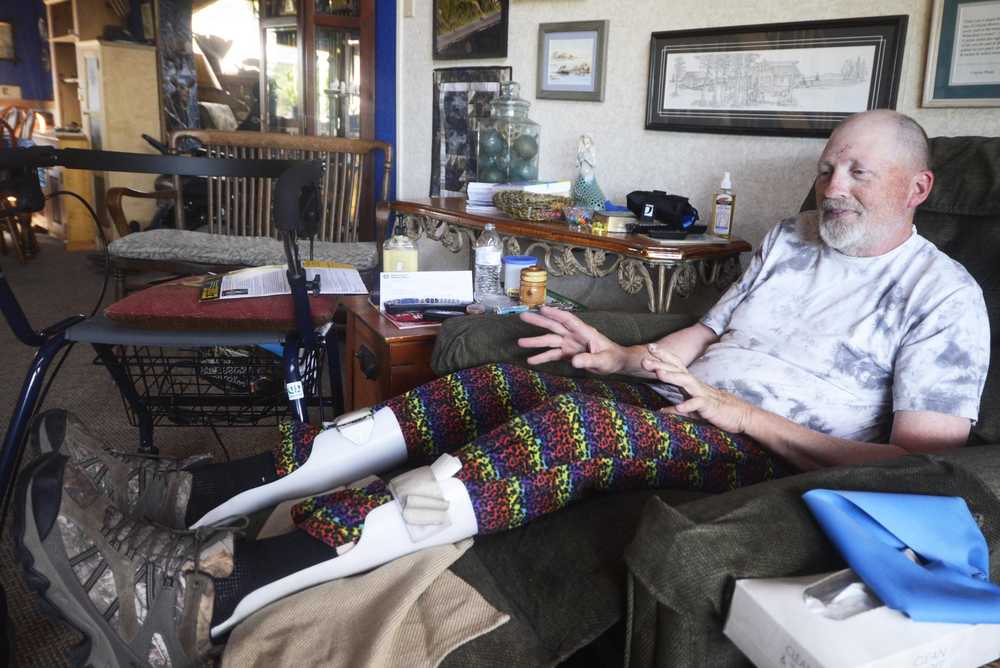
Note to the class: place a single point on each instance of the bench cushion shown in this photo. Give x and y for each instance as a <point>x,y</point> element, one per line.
<point>215,249</point>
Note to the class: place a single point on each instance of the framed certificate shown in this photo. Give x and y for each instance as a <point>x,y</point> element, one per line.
<point>963,55</point>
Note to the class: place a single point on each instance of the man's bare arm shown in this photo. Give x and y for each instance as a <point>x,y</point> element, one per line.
<point>570,338</point>
<point>912,431</point>
<point>687,344</point>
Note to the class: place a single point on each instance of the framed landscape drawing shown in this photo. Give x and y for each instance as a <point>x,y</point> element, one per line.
<point>571,59</point>
<point>470,29</point>
<point>963,56</point>
<point>796,79</point>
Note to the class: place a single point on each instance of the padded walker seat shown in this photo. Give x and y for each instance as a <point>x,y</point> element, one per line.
<point>216,249</point>
<point>240,230</point>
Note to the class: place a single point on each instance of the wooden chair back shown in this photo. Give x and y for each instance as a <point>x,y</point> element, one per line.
<point>242,206</point>
<point>20,119</point>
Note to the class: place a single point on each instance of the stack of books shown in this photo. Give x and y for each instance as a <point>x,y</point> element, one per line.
<point>479,194</point>
<point>614,221</point>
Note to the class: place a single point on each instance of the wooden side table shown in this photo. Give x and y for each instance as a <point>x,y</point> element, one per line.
<point>383,361</point>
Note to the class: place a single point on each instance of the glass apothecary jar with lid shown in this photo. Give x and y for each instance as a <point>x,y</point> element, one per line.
<point>507,143</point>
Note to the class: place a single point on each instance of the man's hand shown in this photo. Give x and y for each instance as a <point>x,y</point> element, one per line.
<point>707,403</point>
<point>571,338</point>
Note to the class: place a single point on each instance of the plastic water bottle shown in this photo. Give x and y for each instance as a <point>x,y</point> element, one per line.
<point>487,274</point>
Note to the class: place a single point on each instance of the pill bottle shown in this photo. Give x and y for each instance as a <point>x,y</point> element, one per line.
<point>533,281</point>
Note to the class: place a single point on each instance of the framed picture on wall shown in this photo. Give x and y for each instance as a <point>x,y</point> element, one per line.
<point>6,40</point>
<point>571,60</point>
<point>793,79</point>
<point>963,54</point>
<point>470,29</point>
<point>461,98</point>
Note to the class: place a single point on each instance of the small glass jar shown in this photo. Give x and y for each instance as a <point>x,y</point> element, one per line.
<point>507,142</point>
<point>399,254</point>
<point>533,281</point>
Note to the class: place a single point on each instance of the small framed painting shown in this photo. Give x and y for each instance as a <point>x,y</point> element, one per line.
<point>571,58</point>
<point>464,29</point>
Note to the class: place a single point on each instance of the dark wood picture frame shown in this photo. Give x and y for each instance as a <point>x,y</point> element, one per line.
<point>791,79</point>
<point>484,37</point>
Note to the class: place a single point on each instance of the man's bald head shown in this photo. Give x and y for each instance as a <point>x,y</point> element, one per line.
<point>871,177</point>
<point>906,132</point>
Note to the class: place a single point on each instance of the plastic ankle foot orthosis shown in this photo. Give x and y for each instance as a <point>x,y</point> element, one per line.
<point>358,444</point>
<point>430,507</point>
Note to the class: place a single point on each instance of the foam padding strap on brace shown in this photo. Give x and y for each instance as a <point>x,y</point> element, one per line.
<point>419,493</point>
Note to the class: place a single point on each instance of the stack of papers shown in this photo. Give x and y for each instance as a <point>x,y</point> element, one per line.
<point>480,194</point>
<point>272,280</point>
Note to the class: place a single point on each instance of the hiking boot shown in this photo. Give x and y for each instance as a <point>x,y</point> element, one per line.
<point>141,594</point>
<point>144,485</point>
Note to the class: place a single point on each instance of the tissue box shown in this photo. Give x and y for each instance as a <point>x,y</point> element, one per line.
<point>771,624</point>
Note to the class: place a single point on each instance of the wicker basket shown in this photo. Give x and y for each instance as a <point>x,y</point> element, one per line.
<point>530,206</point>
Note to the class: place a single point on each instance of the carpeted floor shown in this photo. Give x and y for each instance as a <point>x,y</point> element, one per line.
<point>50,287</point>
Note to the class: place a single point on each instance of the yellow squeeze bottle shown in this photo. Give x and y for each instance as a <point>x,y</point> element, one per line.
<point>399,254</point>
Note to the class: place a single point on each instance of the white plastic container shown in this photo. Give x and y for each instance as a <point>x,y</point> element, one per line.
<point>512,266</point>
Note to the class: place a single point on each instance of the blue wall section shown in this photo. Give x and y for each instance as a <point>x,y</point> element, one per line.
<point>385,82</point>
<point>27,71</point>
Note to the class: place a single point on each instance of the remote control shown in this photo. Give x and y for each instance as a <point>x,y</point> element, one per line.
<point>413,304</point>
<point>437,315</point>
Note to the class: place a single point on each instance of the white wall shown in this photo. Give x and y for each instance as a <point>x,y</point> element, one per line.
<point>771,174</point>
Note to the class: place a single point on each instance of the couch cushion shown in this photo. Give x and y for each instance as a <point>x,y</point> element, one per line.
<point>683,561</point>
<point>215,249</point>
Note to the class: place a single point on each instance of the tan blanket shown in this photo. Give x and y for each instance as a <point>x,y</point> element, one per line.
<point>410,612</point>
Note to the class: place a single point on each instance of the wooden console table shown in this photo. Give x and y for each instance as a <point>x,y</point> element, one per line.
<point>660,267</point>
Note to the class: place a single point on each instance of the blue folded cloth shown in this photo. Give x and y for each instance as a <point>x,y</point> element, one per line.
<point>871,529</point>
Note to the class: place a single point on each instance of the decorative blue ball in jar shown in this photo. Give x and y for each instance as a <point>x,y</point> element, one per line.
<point>507,144</point>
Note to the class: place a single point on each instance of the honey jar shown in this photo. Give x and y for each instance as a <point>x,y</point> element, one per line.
<point>532,290</point>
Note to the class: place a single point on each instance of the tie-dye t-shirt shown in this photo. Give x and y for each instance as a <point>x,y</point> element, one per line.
<point>838,343</point>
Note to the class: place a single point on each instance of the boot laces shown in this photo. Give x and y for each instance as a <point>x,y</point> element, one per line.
<point>168,548</point>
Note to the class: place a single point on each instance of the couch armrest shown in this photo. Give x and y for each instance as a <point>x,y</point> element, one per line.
<point>473,340</point>
<point>117,213</point>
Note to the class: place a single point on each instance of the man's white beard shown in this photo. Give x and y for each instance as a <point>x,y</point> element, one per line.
<point>847,234</point>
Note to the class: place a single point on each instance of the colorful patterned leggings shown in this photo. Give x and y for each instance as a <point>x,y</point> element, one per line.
<point>531,443</point>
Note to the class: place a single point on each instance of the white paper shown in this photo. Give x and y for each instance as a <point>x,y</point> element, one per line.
<point>975,58</point>
<point>271,280</point>
<point>424,285</point>
<point>770,621</point>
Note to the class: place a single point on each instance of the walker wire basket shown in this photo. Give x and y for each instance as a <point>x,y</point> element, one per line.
<point>218,386</point>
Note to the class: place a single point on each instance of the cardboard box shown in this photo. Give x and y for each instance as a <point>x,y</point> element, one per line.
<point>771,624</point>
